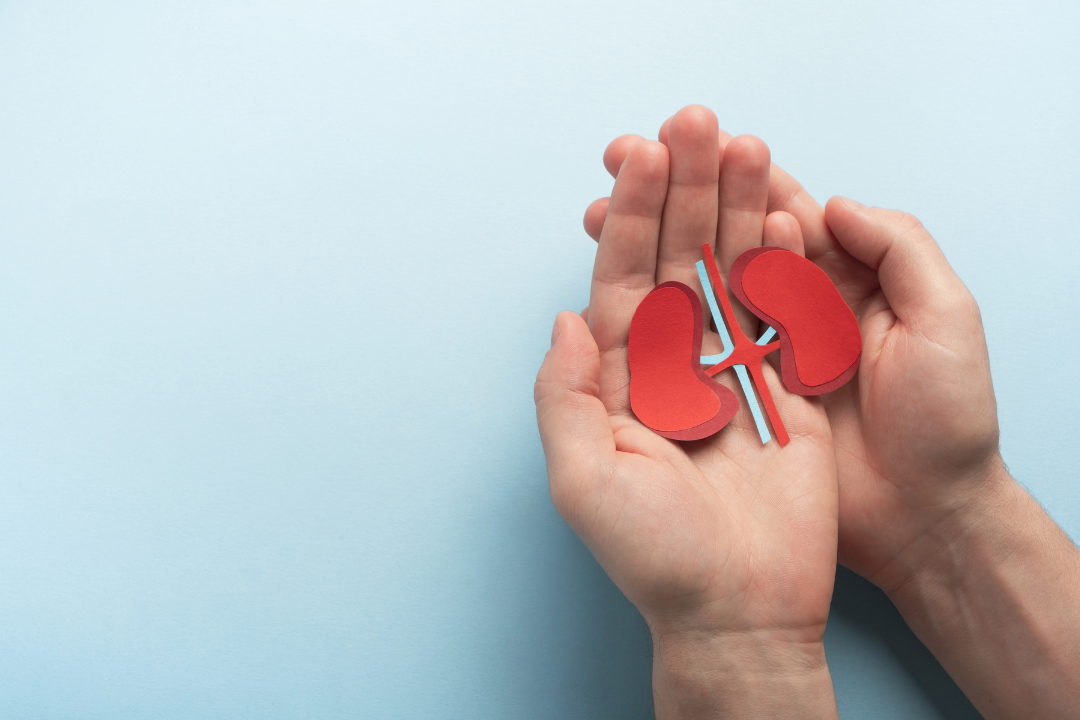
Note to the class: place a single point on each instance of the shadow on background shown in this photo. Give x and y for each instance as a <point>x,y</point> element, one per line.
<point>610,668</point>
<point>568,643</point>
<point>561,640</point>
<point>866,608</point>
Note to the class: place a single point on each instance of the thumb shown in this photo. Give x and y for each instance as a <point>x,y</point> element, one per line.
<point>913,273</point>
<point>574,425</point>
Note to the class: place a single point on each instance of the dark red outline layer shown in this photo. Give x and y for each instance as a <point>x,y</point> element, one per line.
<point>787,357</point>
<point>729,404</point>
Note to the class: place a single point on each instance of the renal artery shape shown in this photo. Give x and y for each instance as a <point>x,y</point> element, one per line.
<point>820,344</point>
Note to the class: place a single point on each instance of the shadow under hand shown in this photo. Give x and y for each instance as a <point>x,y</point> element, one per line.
<point>861,617</point>
<point>570,645</point>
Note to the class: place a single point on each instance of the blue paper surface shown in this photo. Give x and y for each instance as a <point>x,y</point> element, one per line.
<point>228,230</point>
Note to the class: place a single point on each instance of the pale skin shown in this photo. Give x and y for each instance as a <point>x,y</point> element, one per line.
<point>726,546</point>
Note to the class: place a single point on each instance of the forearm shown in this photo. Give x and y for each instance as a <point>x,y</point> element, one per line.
<point>995,595</point>
<point>740,675</point>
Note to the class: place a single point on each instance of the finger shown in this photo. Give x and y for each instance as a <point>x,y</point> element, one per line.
<point>854,280</point>
<point>617,150</point>
<point>690,209</point>
<point>614,156</point>
<point>595,215</point>
<point>782,230</point>
<point>915,277</point>
<point>625,267</point>
<point>787,195</point>
<point>744,196</point>
<point>584,314</point>
<point>574,426</point>
<point>743,199</point>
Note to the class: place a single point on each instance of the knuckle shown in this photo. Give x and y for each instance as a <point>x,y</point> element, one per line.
<point>545,385</point>
<point>905,224</point>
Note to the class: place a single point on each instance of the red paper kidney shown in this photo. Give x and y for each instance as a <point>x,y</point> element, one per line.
<point>669,392</point>
<point>820,343</point>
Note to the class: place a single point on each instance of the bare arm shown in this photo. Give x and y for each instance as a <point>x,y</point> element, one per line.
<point>994,592</point>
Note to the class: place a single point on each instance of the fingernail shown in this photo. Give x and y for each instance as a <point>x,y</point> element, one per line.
<point>853,204</point>
<point>555,332</point>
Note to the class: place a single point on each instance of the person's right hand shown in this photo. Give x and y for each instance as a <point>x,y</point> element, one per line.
<point>917,435</point>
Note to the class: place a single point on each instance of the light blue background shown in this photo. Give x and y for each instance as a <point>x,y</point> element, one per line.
<point>275,280</point>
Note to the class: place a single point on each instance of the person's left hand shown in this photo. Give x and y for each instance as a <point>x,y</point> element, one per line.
<point>726,546</point>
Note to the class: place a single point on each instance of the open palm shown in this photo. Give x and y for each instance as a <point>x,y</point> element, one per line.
<point>718,535</point>
<point>916,431</point>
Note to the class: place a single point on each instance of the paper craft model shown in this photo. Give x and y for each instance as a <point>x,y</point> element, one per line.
<point>819,344</point>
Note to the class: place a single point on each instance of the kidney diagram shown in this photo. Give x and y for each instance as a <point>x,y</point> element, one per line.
<point>672,390</point>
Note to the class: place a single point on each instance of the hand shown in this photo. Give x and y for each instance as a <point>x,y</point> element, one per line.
<point>727,547</point>
<point>916,431</point>
<point>927,509</point>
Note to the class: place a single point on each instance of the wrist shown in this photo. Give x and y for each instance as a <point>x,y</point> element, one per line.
<point>930,577</point>
<point>992,595</point>
<point>969,511</point>
<point>752,673</point>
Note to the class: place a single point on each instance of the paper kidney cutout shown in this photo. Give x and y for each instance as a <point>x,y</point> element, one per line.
<point>669,392</point>
<point>820,343</point>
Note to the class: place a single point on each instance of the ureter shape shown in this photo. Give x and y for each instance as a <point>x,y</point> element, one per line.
<point>729,348</point>
<point>743,349</point>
